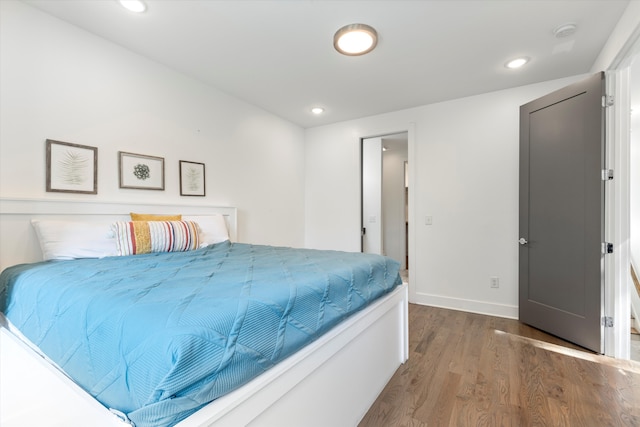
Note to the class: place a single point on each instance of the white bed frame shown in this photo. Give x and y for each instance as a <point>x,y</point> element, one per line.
<point>331,382</point>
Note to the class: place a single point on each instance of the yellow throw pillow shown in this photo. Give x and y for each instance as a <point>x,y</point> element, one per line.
<point>154,217</point>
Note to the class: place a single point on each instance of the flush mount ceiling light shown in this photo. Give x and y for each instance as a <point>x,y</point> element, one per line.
<point>317,110</point>
<point>355,39</point>
<point>516,63</point>
<point>136,6</point>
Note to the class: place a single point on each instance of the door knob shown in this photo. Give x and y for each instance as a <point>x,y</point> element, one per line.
<point>523,241</point>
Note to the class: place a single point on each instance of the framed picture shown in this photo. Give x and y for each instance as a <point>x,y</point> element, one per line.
<point>71,168</point>
<point>141,172</point>
<point>191,178</point>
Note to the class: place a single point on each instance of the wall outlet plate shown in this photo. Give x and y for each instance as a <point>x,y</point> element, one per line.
<point>494,281</point>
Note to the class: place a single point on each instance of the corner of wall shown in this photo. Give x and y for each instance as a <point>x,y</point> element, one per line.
<point>621,39</point>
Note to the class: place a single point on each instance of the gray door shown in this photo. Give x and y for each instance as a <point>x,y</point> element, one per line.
<point>562,212</point>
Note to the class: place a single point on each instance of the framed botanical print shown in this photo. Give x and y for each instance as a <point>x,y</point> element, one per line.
<point>71,168</point>
<point>141,172</point>
<point>192,181</point>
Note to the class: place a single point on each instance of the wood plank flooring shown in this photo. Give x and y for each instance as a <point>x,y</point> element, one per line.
<point>467,369</point>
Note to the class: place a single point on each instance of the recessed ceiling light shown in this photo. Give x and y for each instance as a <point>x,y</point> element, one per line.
<point>516,63</point>
<point>355,39</point>
<point>134,5</point>
<point>317,110</point>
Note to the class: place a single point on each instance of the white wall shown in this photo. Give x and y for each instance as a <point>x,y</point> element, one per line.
<point>464,166</point>
<point>60,82</point>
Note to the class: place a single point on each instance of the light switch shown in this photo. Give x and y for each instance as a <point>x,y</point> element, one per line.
<point>428,220</point>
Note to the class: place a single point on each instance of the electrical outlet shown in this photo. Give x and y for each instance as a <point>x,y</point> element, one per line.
<point>495,282</point>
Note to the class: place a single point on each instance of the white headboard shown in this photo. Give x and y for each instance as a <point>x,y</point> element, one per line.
<point>18,240</point>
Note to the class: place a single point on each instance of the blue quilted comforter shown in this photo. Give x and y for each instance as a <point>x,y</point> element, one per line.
<point>158,336</point>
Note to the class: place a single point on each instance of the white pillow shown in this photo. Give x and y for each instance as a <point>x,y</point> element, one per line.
<point>73,239</point>
<point>213,228</point>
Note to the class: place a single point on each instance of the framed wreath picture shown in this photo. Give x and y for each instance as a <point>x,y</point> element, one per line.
<point>192,178</point>
<point>141,172</point>
<point>71,168</point>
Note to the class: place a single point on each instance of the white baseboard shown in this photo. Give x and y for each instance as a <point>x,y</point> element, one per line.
<point>480,307</point>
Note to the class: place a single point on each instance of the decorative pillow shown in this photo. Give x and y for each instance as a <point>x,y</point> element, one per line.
<point>154,217</point>
<point>141,237</point>
<point>75,239</point>
<point>213,228</point>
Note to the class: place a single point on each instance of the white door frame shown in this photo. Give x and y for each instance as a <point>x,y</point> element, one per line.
<point>616,290</point>
<point>617,202</point>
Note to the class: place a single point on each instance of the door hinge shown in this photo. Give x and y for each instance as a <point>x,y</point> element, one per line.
<point>607,322</point>
<point>607,174</point>
<point>607,248</point>
<point>607,101</point>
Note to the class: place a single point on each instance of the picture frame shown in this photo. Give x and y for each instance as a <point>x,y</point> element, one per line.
<point>192,178</point>
<point>141,172</point>
<point>71,168</point>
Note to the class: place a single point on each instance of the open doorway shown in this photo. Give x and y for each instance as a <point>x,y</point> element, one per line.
<point>385,197</point>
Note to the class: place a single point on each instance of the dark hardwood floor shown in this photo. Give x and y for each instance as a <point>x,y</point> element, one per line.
<point>467,369</point>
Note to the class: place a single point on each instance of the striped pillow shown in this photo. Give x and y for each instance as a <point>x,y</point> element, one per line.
<point>142,237</point>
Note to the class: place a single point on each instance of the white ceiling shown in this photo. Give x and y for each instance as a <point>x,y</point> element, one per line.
<point>279,55</point>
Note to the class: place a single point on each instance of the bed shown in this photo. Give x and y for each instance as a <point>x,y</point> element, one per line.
<point>322,366</point>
